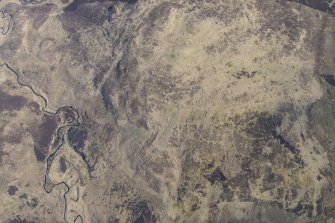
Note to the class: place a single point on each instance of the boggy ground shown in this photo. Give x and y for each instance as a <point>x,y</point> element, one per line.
<point>167,111</point>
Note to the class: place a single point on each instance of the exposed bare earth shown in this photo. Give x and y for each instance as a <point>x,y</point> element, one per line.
<point>151,111</point>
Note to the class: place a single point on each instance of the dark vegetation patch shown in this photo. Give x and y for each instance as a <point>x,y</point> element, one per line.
<point>264,133</point>
<point>97,79</point>
<point>320,5</point>
<point>62,164</point>
<point>242,183</point>
<point>158,16</point>
<point>142,212</point>
<point>42,136</point>
<point>113,12</point>
<point>244,74</point>
<point>289,146</point>
<point>130,104</point>
<point>39,154</point>
<point>302,208</point>
<point>93,13</point>
<point>76,3</point>
<point>330,79</point>
<point>121,71</point>
<point>131,2</point>
<point>90,157</point>
<point>262,129</point>
<point>216,176</point>
<point>10,46</point>
<point>33,202</point>
<point>29,200</point>
<point>11,103</point>
<point>99,74</point>
<point>24,196</point>
<point>211,9</point>
<point>14,138</point>
<point>105,92</point>
<point>77,138</point>
<point>69,115</point>
<point>282,22</point>
<point>259,125</point>
<point>271,180</point>
<point>18,219</point>
<point>12,190</point>
<point>321,117</point>
<point>40,14</point>
<point>85,14</point>
<point>27,2</point>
